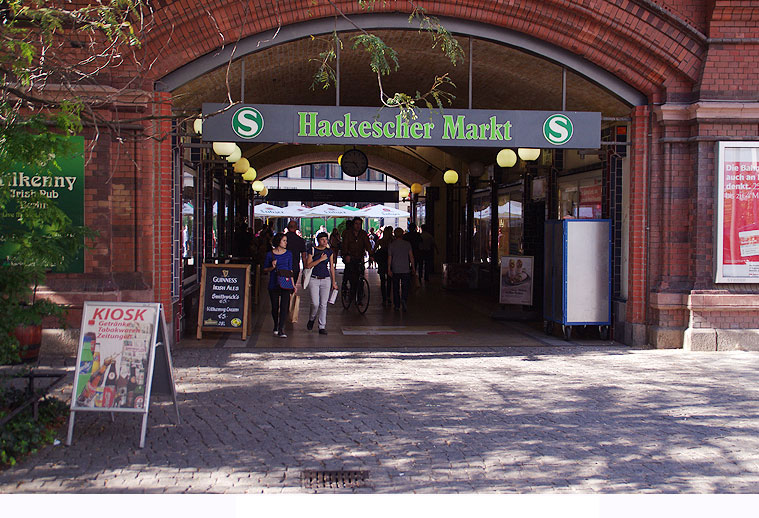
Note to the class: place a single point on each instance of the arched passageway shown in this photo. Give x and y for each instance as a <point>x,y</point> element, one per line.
<point>655,70</point>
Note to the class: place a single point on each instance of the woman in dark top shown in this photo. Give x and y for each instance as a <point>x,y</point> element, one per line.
<point>277,260</point>
<point>322,259</point>
<point>380,254</point>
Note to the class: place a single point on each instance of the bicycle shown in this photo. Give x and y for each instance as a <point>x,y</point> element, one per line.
<point>361,300</point>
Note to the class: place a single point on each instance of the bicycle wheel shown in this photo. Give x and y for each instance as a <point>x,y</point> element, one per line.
<point>362,295</point>
<point>345,295</point>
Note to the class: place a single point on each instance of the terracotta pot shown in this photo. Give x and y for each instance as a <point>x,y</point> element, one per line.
<point>29,339</point>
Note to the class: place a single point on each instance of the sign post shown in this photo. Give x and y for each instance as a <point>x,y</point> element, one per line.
<point>224,299</point>
<point>123,358</point>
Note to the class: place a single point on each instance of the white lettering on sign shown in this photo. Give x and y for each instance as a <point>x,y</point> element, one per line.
<point>20,179</point>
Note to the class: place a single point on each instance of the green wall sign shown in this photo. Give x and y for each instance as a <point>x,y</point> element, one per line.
<point>64,187</point>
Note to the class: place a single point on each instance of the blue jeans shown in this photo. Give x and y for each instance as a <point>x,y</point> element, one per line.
<point>401,283</point>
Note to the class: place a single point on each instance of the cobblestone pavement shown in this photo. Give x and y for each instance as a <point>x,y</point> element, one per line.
<point>508,420</point>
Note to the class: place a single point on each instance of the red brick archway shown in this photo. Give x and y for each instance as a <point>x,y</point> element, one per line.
<point>686,57</point>
<point>658,51</point>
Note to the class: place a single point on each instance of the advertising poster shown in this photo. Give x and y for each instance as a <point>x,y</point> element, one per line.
<point>738,212</point>
<point>114,354</point>
<point>516,279</point>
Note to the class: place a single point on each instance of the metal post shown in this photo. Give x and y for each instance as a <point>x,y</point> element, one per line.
<point>337,78</point>
<point>563,88</point>
<point>71,428</point>
<point>470,72</point>
<point>242,81</point>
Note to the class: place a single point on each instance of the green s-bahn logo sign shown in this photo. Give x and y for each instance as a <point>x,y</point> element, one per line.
<point>247,122</point>
<point>557,129</point>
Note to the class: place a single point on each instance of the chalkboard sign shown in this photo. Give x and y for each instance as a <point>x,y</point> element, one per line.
<point>224,299</point>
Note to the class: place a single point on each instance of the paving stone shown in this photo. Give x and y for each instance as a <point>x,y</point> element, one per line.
<point>580,419</point>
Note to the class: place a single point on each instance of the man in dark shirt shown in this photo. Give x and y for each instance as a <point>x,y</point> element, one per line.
<point>297,247</point>
<point>355,244</point>
<point>413,237</point>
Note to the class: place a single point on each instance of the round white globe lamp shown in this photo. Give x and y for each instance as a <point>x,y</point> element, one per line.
<point>506,158</point>
<point>528,154</point>
<point>249,175</point>
<point>224,148</point>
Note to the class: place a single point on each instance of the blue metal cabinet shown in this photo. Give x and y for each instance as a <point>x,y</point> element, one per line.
<point>577,287</point>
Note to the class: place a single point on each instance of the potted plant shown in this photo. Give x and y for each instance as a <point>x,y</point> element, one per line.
<point>36,236</point>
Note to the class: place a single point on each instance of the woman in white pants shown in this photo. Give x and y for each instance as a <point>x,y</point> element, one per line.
<point>322,261</point>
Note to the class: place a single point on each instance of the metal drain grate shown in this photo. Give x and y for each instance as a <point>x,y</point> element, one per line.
<point>333,479</point>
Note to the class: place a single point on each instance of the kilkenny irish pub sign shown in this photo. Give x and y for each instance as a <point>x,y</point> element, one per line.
<point>373,126</point>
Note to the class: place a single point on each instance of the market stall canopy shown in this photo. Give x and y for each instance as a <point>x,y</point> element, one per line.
<point>295,211</point>
<point>327,210</point>
<point>510,209</point>
<point>382,211</point>
<point>265,209</point>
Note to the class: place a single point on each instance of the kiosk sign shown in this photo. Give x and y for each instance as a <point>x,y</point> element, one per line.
<point>737,243</point>
<point>123,358</point>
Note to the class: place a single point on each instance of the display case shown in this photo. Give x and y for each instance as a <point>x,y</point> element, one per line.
<point>577,287</point>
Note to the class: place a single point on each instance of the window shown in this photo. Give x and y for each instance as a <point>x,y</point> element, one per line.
<point>509,224</point>
<point>372,176</point>
<point>481,236</point>
<point>189,220</point>
<point>320,171</point>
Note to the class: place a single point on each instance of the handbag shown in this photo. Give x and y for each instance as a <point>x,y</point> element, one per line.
<point>306,276</point>
<point>285,279</point>
<point>294,309</point>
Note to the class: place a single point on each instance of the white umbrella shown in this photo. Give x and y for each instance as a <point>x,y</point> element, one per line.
<point>264,209</point>
<point>382,211</point>
<point>295,211</point>
<point>325,209</point>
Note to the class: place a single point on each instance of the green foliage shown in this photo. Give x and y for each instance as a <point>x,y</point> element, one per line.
<point>383,60</point>
<point>35,235</point>
<point>379,53</point>
<point>23,435</point>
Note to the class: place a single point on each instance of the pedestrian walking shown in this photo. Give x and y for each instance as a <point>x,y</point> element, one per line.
<point>400,268</point>
<point>321,259</point>
<point>381,255</point>
<point>334,241</point>
<point>427,249</point>
<point>279,265</point>
<point>297,246</point>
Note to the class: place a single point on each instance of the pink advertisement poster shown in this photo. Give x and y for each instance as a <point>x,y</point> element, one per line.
<point>739,199</point>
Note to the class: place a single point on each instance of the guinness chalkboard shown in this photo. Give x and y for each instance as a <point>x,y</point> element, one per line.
<point>224,299</point>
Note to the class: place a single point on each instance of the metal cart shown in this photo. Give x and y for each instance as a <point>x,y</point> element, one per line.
<point>577,287</point>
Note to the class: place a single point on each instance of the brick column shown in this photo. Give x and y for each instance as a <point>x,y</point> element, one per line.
<point>635,327</point>
<point>162,202</point>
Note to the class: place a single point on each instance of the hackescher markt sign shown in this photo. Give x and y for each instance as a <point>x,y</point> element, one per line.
<point>373,126</point>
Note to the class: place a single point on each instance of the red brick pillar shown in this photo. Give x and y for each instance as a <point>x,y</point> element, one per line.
<point>162,207</point>
<point>635,326</point>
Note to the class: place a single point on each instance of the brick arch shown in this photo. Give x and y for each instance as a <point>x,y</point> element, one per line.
<point>652,50</point>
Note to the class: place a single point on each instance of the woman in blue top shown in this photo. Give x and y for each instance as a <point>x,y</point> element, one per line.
<point>276,260</point>
<point>322,259</point>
